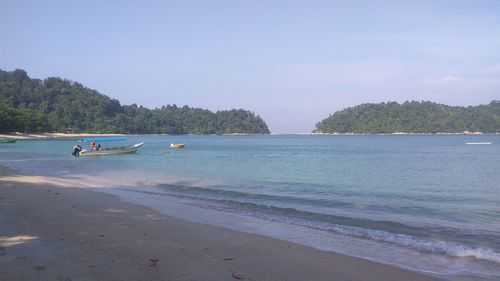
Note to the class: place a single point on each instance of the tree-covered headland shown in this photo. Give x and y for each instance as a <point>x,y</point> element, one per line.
<point>58,105</point>
<point>413,117</point>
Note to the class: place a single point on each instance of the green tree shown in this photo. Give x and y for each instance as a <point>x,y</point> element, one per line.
<point>413,117</point>
<point>55,104</point>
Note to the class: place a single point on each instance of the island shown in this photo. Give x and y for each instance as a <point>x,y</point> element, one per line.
<point>423,117</point>
<point>57,105</point>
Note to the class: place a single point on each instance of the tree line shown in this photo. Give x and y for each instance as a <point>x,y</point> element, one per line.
<point>59,105</point>
<point>413,117</point>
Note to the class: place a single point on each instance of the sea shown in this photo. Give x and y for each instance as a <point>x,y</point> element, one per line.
<point>428,203</point>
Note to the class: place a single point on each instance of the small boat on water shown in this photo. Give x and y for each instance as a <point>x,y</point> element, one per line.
<point>96,149</point>
<point>177,145</point>
<point>109,151</point>
<point>8,140</point>
<point>479,143</point>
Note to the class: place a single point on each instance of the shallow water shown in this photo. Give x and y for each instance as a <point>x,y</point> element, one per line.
<point>429,203</point>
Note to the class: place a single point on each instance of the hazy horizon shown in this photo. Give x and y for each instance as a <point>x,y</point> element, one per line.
<point>292,64</point>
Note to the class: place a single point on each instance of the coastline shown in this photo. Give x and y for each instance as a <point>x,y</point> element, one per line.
<point>404,134</point>
<point>53,136</point>
<point>65,136</point>
<point>52,230</point>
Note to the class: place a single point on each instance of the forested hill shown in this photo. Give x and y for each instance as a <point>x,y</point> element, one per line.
<point>55,104</point>
<point>413,117</point>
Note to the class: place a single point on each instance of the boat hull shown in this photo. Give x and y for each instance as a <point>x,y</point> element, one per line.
<point>112,151</point>
<point>177,145</point>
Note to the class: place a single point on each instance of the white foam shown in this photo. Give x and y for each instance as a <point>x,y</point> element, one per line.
<point>440,247</point>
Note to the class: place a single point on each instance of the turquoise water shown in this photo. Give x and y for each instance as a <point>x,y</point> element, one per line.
<point>429,203</point>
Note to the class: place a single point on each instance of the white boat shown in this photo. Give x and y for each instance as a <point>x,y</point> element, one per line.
<point>111,151</point>
<point>177,145</point>
<point>478,143</point>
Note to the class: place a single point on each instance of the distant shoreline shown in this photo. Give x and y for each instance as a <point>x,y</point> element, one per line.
<point>386,134</point>
<point>53,136</point>
<point>406,134</point>
<point>64,136</point>
<point>50,136</point>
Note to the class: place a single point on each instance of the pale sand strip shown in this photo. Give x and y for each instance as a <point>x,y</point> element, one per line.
<point>49,231</point>
<point>43,136</point>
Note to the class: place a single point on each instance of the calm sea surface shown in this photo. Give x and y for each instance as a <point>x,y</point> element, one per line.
<point>428,203</point>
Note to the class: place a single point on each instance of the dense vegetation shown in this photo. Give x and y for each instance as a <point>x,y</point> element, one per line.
<point>54,104</point>
<point>413,117</point>
<point>24,120</point>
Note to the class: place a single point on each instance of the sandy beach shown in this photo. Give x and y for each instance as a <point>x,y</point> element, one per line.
<point>46,136</point>
<point>50,230</point>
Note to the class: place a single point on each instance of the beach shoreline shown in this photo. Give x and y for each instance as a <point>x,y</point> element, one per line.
<point>53,136</point>
<point>74,136</point>
<point>53,231</point>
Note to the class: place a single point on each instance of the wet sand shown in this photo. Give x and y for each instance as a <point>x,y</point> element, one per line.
<point>50,230</point>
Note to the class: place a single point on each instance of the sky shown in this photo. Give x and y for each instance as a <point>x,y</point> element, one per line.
<point>292,62</point>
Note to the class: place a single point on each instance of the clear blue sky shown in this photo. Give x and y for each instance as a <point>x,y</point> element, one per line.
<point>292,62</point>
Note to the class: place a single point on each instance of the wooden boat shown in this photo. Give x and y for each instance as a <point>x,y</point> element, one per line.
<point>111,151</point>
<point>177,145</point>
<point>8,140</point>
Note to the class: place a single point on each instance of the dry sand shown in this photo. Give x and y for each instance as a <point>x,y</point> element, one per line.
<point>51,231</point>
<point>21,136</point>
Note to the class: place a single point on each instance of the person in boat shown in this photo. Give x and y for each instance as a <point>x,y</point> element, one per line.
<point>76,150</point>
